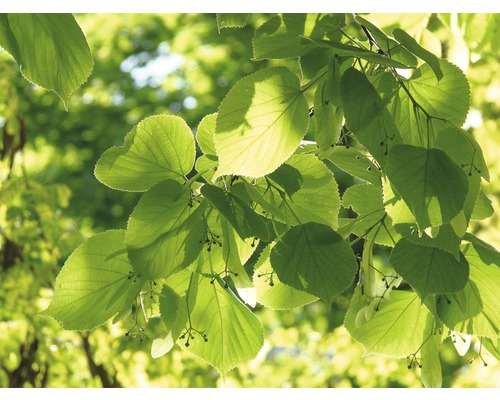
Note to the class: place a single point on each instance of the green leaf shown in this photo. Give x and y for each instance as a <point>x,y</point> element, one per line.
<point>345,50</point>
<point>328,111</point>
<point>429,270</point>
<point>205,135</point>
<point>432,376</point>
<point>176,236</point>
<point>412,45</point>
<point>239,214</point>
<point>162,209</point>
<point>388,46</point>
<point>50,49</point>
<point>260,123</point>
<point>174,316</point>
<point>159,147</point>
<point>372,222</point>
<point>95,283</point>
<point>481,315</point>
<point>482,208</point>
<point>367,116</point>
<point>280,36</point>
<point>231,20</point>
<point>493,349</point>
<point>301,190</point>
<point>355,163</point>
<point>463,149</point>
<point>273,293</point>
<point>233,261</point>
<point>447,98</point>
<point>315,259</point>
<point>397,329</point>
<point>404,223</point>
<point>430,183</point>
<point>234,334</point>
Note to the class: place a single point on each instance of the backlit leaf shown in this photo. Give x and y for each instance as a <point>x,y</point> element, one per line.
<point>234,334</point>
<point>481,316</point>
<point>260,123</point>
<point>95,277</point>
<point>158,148</point>
<point>397,329</point>
<point>50,49</point>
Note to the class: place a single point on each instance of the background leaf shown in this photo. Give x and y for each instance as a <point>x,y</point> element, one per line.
<point>158,148</point>
<point>50,49</point>
<point>260,123</point>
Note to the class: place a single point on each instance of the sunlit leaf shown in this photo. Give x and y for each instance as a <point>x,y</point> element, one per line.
<point>158,148</point>
<point>447,98</point>
<point>205,135</point>
<point>260,123</point>
<point>315,259</point>
<point>96,277</point>
<point>50,49</point>
<point>481,316</point>
<point>234,335</point>
<point>397,329</point>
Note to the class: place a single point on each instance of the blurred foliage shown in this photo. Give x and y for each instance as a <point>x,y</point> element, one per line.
<point>50,202</point>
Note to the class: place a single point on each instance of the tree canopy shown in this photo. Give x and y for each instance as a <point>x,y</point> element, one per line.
<point>194,200</point>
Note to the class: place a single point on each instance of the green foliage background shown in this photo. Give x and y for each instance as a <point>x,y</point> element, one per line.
<point>50,202</point>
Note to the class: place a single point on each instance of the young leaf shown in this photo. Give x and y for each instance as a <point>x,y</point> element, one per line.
<point>315,259</point>
<point>431,184</point>
<point>158,148</point>
<point>94,283</point>
<point>397,329</point>
<point>429,270</point>
<point>50,49</point>
<point>412,45</point>
<point>367,116</point>
<point>481,316</point>
<point>273,293</point>
<point>260,123</point>
<point>234,334</point>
